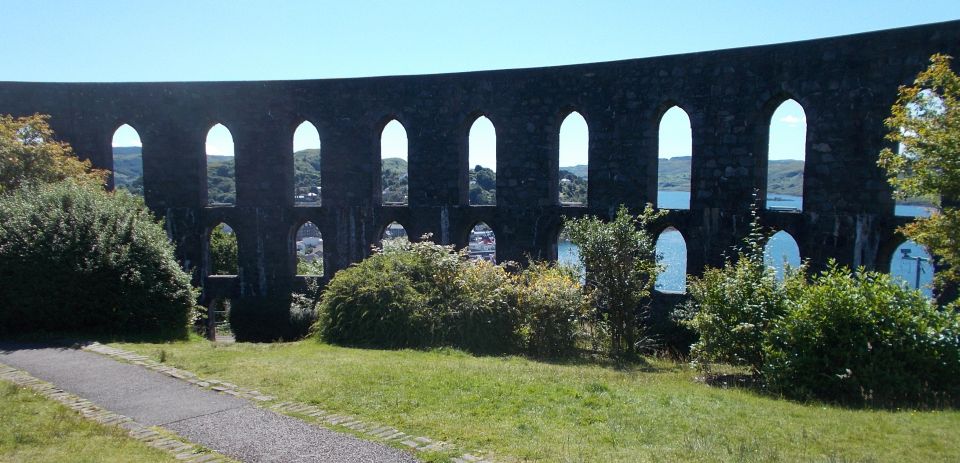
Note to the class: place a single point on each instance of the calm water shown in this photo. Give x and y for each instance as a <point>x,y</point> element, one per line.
<point>780,251</point>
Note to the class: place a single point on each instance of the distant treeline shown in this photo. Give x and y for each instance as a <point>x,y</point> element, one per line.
<point>786,177</point>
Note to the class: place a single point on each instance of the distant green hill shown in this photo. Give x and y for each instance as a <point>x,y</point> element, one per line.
<point>674,175</point>
<point>785,176</point>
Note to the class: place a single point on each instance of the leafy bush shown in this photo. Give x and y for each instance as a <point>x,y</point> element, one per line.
<point>847,337</point>
<point>419,295</point>
<point>731,308</point>
<point>477,309</point>
<point>621,270</point>
<point>374,303</point>
<point>426,295</point>
<point>74,258</point>
<point>861,337</point>
<point>553,304</point>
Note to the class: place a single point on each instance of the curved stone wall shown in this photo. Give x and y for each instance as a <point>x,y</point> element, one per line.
<point>846,86</point>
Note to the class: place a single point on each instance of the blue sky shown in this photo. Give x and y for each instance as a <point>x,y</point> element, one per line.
<point>176,40</point>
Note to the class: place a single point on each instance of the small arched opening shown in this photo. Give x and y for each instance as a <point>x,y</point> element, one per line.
<point>127,160</point>
<point>482,163</point>
<point>482,243</point>
<point>308,242</point>
<point>574,160</point>
<point>306,165</point>
<point>781,252</point>
<point>221,171</point>
<point>394,173</point>
<point>675,157</point>
<point>912,264</point>
<point>786,155</point>
<point>671,251</point>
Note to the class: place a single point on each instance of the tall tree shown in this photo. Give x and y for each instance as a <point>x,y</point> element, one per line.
<point>925,122</point>
<point>30,154</point>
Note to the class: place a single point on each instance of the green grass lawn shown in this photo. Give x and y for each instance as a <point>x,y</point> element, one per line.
<point>36,429</point>
<point>520,409</point>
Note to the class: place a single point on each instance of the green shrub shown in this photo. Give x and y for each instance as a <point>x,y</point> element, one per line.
<point>731,309</point>
<point>477,309</point>
<point>74,258</point>
<point>862,338</point>
<point>427,295</point>
<point>553,304</point>
<point>619,256</point>
<point>374,303</point>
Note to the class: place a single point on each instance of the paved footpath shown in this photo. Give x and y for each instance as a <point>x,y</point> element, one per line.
<point>226,424</point>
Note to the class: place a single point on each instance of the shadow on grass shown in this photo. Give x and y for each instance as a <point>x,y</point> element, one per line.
<point>755,385</point>
<point>76,340</point>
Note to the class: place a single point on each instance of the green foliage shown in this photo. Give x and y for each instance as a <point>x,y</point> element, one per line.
<point>29,154</point>
<point>926,121</point>
<point>419,295</point>
<point>305,267</point>
<point>621,270</point>
<point>303,310</point>
<point>731,308</point>
<point>394,180</point>
<point>855,338</point>
<point>221,180</point>
<point>306,168</point>
<point>573,188</point>
<point>862,338</point>
<point>223,252</point>
<point>75,258</point>
<point>372,303</point>
<point>128,169</point>
<point>426,295</point>
<point>483,186</point>
<point>551,299</point>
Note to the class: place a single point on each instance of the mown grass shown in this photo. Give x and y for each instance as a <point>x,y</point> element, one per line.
<point>36,429</point>
<point>520,409</point>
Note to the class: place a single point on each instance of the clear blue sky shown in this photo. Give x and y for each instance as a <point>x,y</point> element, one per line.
<point>93,40</point>
<point>176,40</point>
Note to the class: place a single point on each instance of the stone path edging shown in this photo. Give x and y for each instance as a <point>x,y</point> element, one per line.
<point>179,448</point>
<point>306,412</point>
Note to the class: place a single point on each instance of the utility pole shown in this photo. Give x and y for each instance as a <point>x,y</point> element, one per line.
<point>919,260</point>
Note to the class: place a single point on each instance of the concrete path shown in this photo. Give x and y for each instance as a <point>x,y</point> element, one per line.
<point>229,425</point>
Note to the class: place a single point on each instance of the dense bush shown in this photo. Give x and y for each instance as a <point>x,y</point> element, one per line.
<point>74,258</point>
<point>419,295</point>
<point>553,304</point>
<point>732,307</point>
<point>855,338</point>
<point>424,295</point>
<point>861,337</point>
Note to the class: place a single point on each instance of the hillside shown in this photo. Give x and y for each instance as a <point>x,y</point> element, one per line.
<point>786,177</point>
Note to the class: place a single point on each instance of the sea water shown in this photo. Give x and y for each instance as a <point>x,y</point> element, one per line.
<point>781,250</point>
